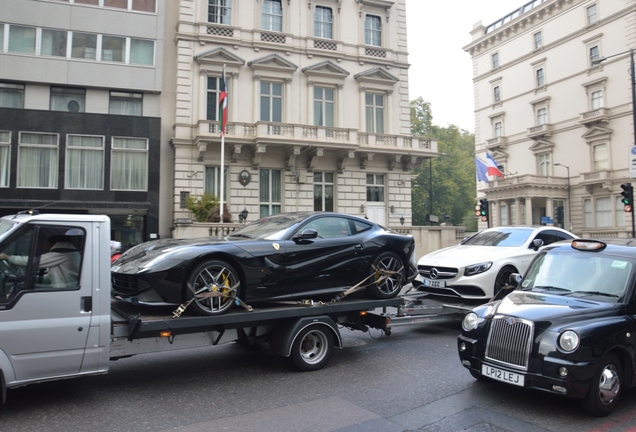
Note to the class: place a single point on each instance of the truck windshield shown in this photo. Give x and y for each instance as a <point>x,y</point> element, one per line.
<point>6,226</point>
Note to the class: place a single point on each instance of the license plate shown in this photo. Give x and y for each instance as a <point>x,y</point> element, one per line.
<point>502,375</point>
<point>434,283</point>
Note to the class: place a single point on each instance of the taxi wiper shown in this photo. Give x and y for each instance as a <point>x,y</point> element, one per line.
<point>550,288</point>
<point>596,293</point>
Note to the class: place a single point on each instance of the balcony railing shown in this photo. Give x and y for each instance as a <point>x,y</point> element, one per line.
<point>499,141</point>
<point>544,130</point>
<point>330,136</point>
<point>594,116</point>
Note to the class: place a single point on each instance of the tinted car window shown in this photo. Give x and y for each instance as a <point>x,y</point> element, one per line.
<point>551,236</point>
<point>360,226</point>
<point>329,227</point>
<point>501,237</point>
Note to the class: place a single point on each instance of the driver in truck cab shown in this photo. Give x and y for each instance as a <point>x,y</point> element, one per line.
<point>58,267</point>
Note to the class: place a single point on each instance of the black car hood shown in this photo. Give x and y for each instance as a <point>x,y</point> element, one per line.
<point>550,308</point>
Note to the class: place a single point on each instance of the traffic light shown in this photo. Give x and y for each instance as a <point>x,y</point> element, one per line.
<point>481,210</point>
<point>628,197</point>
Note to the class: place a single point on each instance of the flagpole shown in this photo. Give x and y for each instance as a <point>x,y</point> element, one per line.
<point>222,124</point>
<point>222,173</point>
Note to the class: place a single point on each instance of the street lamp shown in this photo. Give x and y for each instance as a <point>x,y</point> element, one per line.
<point>569,201</point>
<point>631,73</point>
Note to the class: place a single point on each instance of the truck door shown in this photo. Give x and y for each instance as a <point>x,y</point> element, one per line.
<point>45,292</point>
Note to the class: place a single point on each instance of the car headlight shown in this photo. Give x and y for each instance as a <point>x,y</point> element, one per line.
<point>569,341</point>
<point>471,321</point>
<point>477,268</point>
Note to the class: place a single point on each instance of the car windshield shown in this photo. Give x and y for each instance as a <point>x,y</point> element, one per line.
<point>579,274</point>
<point>500,237</point>
<point>270,228</point>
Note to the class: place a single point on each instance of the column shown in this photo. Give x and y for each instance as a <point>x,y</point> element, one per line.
<point>518,217</point>
<point>528,211</point>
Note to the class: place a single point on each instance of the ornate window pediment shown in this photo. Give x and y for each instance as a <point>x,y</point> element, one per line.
<point>273,62</point>
<point>326,69</point>
<point>376,75</point>
<point>597,133</point>
<point>219,56</point>
<point>541,146</point>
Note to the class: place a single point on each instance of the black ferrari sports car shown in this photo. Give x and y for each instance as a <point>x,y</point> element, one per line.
<point>303,255</point>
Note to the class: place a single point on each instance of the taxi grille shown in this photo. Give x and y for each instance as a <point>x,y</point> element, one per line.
<point>510,341</point>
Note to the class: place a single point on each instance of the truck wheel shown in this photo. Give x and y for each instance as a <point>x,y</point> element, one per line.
<point>605,389</point>
<point>386,286</point>
<point>214,285</point>
<point>312,348</point>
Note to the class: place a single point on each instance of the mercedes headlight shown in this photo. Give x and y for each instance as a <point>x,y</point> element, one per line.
<point>471,321</point>
<point>477,268</point>
<point>569,341</point>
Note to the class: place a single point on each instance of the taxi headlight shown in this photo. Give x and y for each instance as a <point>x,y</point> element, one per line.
<point>477,268</point>
<point>569,341</point>
<point>471,320</point>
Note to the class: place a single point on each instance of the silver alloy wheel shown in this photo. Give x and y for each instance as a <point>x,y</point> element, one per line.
<point>218,280</point>
<point>388,284</point>
<point>314,346</point>
<point>609,384</point>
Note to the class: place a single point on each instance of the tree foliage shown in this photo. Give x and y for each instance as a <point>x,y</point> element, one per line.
<point>444,186</point>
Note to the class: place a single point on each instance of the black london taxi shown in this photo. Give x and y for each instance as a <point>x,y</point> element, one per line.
<point>567,328</point>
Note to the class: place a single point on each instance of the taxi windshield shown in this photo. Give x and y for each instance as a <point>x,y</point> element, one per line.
<point>579,274</point>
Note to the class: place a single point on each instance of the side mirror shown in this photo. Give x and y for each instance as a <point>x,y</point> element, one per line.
<point>307,234</point>
<point>536,244</point>
<point>514,279</point>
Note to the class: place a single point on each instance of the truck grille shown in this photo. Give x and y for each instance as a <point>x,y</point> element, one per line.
<point>510,341</point>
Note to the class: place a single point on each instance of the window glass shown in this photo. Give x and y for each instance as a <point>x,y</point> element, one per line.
<point>587,213</point>
<point>592,16</point>
<point>323,106</point>
<point>495,60</point>
<point>538,40</point>
<point>121,4</point>
<point>595,54</point>
<point>142,52</point>
<point>37,160</point>
<point>544,164</point>
<point>323,191</point>
<point>213,94</point>
<point>496,94</point>
<point>270,186</point>
<point>540,77</point>
<point>373,30</point>
<point>500,237</point>
<point>5,158</point>
<point>84,162</point>
<point>374,113</point>
<point>213,181</point>
<point>90,2</point>
<point>219,11</point>
<point>597,99</point>
<point>498,129</point>
<point>125,103</point>
<point>11,95</point>
<point>129,164</point>
<point>272,18</point>
<point>542,116</point>
<point>145,5</point>
<point>375,187</point>
<point>84,46</point>
<point>603,212</point>
<point>22,39</point>
<point>329,227</point>
<point>601,158</point>
<point>1,37</point>
<point>54,43</point>
<point>323,22</point>
<point>113,48</point>
<point>67,99</point>
<point>271,102</point>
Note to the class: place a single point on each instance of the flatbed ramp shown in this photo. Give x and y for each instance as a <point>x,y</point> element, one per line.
<point>424,308</point>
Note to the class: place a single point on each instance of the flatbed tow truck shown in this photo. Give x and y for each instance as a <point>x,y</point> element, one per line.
<point>55,332</point>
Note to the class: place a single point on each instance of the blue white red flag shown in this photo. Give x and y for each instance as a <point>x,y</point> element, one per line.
<point>493,168</point>
<point>482,170</point>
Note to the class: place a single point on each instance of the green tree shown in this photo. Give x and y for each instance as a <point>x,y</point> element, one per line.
<point>450,178</point>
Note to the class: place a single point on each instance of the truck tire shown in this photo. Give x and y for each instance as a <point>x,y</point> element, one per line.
<point>212,277</point>
<point>389,286</point>
<point>605,389</point>
<point>312,348</point>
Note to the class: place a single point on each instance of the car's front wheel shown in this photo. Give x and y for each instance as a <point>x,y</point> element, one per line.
<point>503,278</point>
<point>212,286</point>
<point>605,390</point>
<point>388,275</point>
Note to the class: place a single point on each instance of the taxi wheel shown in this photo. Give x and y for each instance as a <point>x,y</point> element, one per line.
<point>478,376</point>
<point>605,389</point>
<point>503,277</point>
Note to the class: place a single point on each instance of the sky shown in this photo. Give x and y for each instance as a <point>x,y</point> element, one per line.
<point>441,71</point>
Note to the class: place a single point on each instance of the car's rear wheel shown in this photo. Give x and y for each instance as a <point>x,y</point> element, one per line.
<point>214,286</point>
<point>387,277</point>
<point>503,278</point>
<point>605,390</point>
